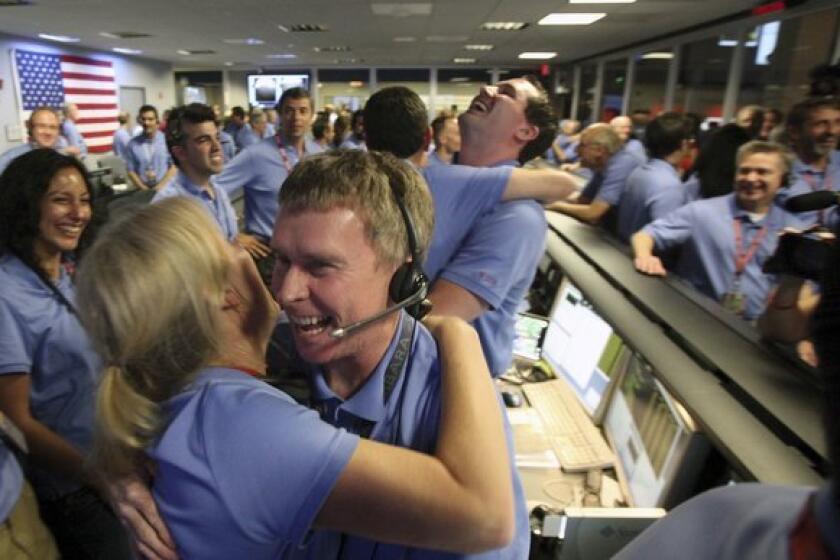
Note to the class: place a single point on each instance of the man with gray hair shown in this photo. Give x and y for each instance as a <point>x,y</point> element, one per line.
<point>602,151</point>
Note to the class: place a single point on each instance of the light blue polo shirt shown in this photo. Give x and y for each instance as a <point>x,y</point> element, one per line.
<point>120,143</point>
<point>653,190</point>
<point>12,153</point>
<point>41,337</point>
<point>691,188</point>
<point>246,137</point>
<point>148,154</point>
<point>636,149</point>
<point>497,262</point>
<point>434,159</point>
<point>705,230</point>
<point>242,470</point>
<point>219,206</point>
<point>353,143</point>
<point>11,481</point>
<point>608,185</point>
<point>410,418</point>
<point>805,178</point>
<point>260,171</point>
<point>228,145</point>
<point>461,195</point>
<point>74,137</point>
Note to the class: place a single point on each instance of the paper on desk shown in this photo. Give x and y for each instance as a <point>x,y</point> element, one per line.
<point>538,460</point>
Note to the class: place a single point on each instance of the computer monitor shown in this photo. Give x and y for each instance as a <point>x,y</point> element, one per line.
<point>529,336</point>
<point>581,347</point>
<point>264,90</point>
<point>658,449</point>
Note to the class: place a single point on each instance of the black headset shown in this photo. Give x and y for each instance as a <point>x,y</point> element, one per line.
<point>409,279</point>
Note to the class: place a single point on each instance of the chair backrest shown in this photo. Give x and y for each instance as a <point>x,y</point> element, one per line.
<point>117,166</point>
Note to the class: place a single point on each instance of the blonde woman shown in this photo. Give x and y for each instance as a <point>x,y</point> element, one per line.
<point>181,319</point>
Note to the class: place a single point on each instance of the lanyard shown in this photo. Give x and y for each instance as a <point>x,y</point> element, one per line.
<point>808,177</point>
<point>392,374</point>
<point>283,154</point>
<point>742,258</point>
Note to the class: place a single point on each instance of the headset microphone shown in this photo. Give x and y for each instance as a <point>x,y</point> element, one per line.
<point>415,298</point>
<point>817,200</point>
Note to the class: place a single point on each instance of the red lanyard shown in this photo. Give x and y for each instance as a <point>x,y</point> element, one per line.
<point>283,155</point>
<point>743,257</point>
<point>805,540</point>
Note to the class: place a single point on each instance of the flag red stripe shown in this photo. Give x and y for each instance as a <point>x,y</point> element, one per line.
<point>98,134</point>
<point>100,149</point>
<point>96,120</point>
<point>83,76</point>
<point>83,60</point>
<point>86,91</point>
<point>83,106</point>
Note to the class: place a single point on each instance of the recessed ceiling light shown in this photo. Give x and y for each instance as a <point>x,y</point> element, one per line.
<point>402,10</point>
<point>479,47</point>
<point>537,55</point>
<point>283,28</point>
<point>59,38</point>
<point>183,52</point>
<point>459,79</point>
<point>463,60</point>
<point>571,19</point>
<point>122,50</point>
<point>244,41</point>
<point>281,55</point>
<point>503,25</point>
<point>228,63</point>
<point>658,56</point>
<point>405,39</point>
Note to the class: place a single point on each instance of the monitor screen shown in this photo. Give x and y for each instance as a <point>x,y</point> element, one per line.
<point>647,432</point>
<point>529,335</point>
<point>580,346</point>
<point>264,90</point>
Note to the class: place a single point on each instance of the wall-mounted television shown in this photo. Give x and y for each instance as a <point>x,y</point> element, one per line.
<point>264,90</point>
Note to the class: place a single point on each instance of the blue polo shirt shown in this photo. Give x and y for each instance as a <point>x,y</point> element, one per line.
<point>120,143</point>
<point>260,170</point>
<point>410,418</point>
<point>805,178</point>
<point>219,205</point>
<point>246,137</point>
<point>705,229</point>
<point>148,155</point>
<point>11,481</point>
<point>242,470</point>
<point>12,153</point>
<point>739,522</point>
<point>636,149</point>
<point>228,145</point>
<point>653,190</point>
<point>74,138</point>
<point>352,142</point>
<point>461,195</point>
<point>608,185</point>
<point>41,337</point>
<point>434,159</point>
<point>691,188</point>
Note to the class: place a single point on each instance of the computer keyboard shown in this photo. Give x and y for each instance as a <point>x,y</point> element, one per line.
<point>578,444</point>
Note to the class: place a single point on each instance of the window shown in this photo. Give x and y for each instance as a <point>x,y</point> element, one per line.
<point>347,89</point>
<point>650,81</point>
<point>703,74</point>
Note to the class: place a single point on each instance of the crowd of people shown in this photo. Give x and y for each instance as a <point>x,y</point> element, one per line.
<point>131,356</point>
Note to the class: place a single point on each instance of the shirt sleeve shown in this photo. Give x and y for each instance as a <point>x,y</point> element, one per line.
<point>275,462</point>
<point>666,201</point>
<point>672,229</point>
<point>15,353</point>
<point>615,176</point>
<point>478,188</point>
<point>237,173</point>
<point>499,247</point>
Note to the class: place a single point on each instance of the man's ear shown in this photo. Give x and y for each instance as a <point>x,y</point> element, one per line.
<point>232,299</point>
<point>178,151</point>
<point>527,132</point>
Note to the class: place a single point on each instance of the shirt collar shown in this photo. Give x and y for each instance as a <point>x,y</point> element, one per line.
<point>18,269</point>
<point>663,165</point>
<point>506,163</point>
<point>368,402</point>
<point>191,187</point>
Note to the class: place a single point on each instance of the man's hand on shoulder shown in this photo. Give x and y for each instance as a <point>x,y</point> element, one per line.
<point>133,503</point>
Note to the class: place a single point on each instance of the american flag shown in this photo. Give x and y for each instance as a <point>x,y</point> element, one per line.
<point>56,79</point>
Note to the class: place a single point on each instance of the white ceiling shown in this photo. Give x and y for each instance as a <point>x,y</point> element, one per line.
<point>439,37</point>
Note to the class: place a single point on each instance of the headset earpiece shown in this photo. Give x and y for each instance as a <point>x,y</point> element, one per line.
<point>406,282</point>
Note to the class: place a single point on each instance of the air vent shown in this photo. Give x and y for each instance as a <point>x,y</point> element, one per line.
<point>125,35</point>
<point>307,28</point>
<point>339,48</point>
<point>503,26</point>
<point>4,3</point>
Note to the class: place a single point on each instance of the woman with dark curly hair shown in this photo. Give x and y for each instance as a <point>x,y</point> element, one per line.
<point>48,370</point>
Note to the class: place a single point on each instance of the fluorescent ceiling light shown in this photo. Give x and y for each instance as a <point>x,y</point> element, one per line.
<point>571,19</point>
<point>537,55</point>
<point>479,47</point>
<point>59,38</point>
<point>658,56</point>
<point>459,79</point>
<point>281,55</point>
<point>405,39</point>
<point>245,41</point>
<point>402,10</point>
<point>228,63</point>
<point>463,60</point>
<point>503,25</point>
<point>183,52</point>
<point>122,50</point>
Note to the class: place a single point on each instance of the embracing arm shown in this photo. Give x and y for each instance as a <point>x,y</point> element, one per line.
<point>449,298</point>
<point>643,258</point>
<point>590,213</point>
<point>459,499</point>
<point>545,185</point>
<point>46,448</point>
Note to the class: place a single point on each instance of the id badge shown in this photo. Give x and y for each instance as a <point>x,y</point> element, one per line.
<point>734,301</point>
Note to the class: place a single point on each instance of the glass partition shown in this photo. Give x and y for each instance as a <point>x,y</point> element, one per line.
<point>415,79</point>
<point>703,74</point>
<point>588,75</point>
<point>650,81</point>
<point>612,93</point>
<point>344,89</point>
<point>457,87</point>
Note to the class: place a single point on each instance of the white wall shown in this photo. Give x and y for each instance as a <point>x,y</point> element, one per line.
<point>155,76</point>
<point>236,90</point>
